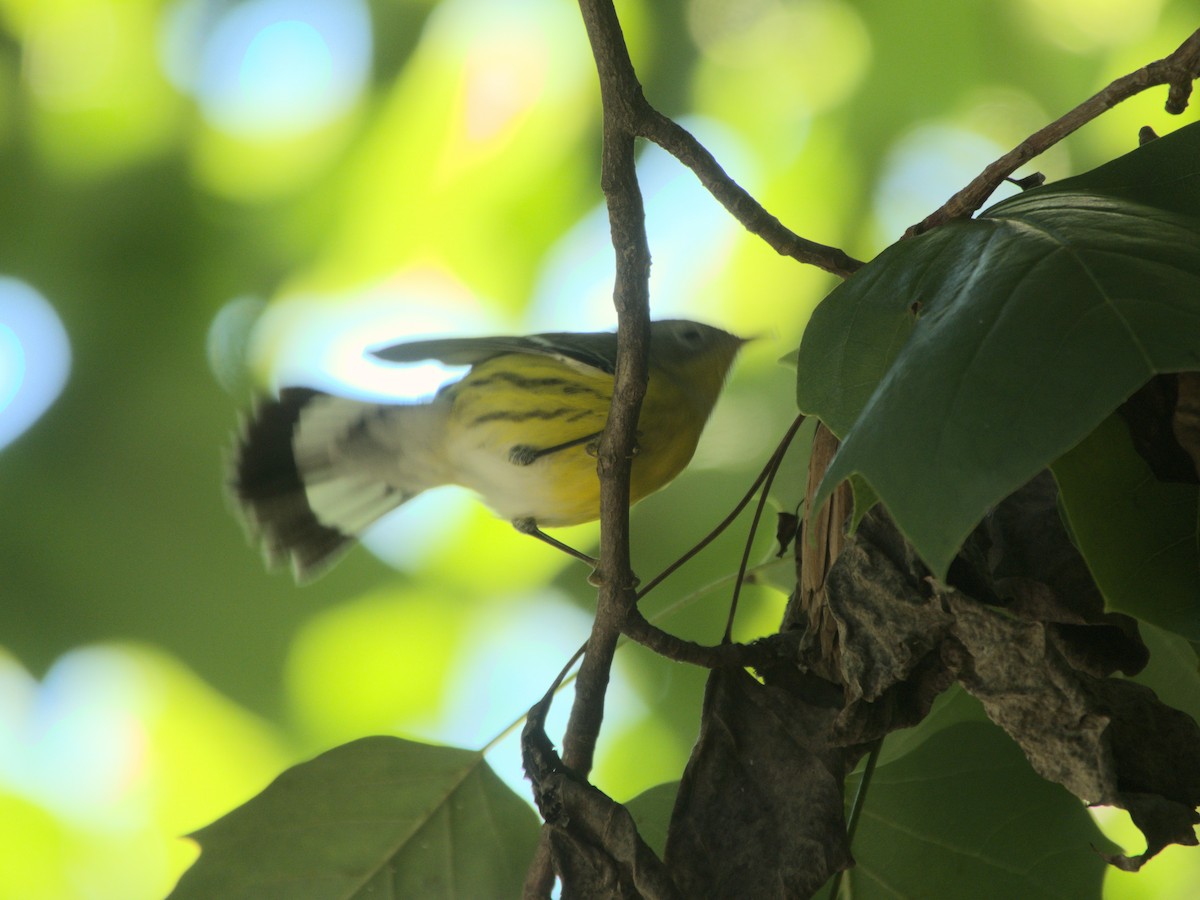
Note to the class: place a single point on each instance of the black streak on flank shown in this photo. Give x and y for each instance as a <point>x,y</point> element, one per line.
<point>536,384</point>
<point>505,415</point>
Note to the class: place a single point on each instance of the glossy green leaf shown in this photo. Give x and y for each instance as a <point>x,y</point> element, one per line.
<point>953,706</point>
<point>1138,534</point>
<point>379,817</point>
<point>651,811</point>
<point>1173,672</point>
<point>958,364</point>
<point>965,816</point>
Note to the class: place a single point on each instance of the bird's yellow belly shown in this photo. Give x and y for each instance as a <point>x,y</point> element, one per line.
<point>500,419</point>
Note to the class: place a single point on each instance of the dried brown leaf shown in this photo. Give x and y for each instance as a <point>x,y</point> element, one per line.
<point>1023,628</point>
<point>594,843</point>
<point>596,847</point>
<point>1186,418</point>
<point>760,806</point>
<point>1108,741</point>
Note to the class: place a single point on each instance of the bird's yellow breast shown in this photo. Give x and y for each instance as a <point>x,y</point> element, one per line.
<point>517,406</point>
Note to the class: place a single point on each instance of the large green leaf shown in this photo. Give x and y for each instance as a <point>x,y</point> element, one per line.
<point>1138,534</point>
<point>965,816</point>
<point>1173,672</point>
<point>651,811</point>
<point>958,364</point>
<point>379,817</point>
<point>953,706</point>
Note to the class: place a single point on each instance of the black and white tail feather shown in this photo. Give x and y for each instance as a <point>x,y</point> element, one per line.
<point>311,471</point>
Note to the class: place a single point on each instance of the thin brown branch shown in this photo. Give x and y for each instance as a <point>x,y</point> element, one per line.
<point>631,296</point>
<point>767,651</point>
<point>626,106</point>
<point>679,142</point>
<point>1178,70</point>
<point>619,91</point>
<point>627,116</point>
<point>719,528</point>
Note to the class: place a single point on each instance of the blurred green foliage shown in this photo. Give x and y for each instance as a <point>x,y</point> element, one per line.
<point>153,675</point>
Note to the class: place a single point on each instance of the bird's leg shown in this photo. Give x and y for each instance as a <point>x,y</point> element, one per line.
<point>525,455</point>
<point>529,526</point>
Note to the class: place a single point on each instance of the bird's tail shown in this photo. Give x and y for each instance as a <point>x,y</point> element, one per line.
<point>311,471</point>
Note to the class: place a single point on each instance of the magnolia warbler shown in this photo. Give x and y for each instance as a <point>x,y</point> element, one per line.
<point>312,470</point>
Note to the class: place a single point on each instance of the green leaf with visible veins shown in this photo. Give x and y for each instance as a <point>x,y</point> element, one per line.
<point>651,811</point>
<point>964,815</point>
<point>380,817</point>
<point>1138,534</point>
<point>958,364</point>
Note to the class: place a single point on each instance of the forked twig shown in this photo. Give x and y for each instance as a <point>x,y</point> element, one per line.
<point>719,528</point>
<point>631,297</point>
<point>679,142</point>
<point>1178,69</point>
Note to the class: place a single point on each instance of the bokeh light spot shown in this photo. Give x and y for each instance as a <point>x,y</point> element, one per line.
<point>71,56</point>
<point>269,68</point>
<point>925,167</point>
<point>285,61</point>
<point>228,341</point>
<point>690,233</point>
<point>376,664</point>
<point>815,50</point>
<point>324,341</point>
<point>35,357</point>
<point>1087,25</point>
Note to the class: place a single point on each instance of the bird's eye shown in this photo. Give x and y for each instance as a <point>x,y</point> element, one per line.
<point>691,336</point>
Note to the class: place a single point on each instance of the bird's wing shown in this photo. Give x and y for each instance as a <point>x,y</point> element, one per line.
<point>593,350</point>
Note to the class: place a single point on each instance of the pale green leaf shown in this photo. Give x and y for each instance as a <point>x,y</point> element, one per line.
<point>1138,534</point>
<point>965,816</point>
<point>380,817</point>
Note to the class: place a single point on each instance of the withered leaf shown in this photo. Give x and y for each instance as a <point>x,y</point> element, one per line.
<point>597,850</point>
<point>594,842</point>
<point>1023,628</point>
<point>760,807</point>
<point>889,630</point>
<point>1186,420</point>
<point>1108,741</point>
<point>1161,421</point>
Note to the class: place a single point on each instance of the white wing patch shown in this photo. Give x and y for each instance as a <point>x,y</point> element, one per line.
<point>358,461</point>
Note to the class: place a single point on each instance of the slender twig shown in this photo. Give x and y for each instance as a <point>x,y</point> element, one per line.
<point>679,142</point>
<point>1179,70</point>
<point>680,603</point>
<point>564,678</point>
<point>541,762</point>
<point>626,107</point>
<point>720,527</point>
<point>770,471</point>
<point>627,218</point>
<point>631,297</point>
<point>860,800</point>
<point>770,650</point>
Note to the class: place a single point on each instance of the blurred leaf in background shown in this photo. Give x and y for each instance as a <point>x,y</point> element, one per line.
<point>188,187</point>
